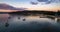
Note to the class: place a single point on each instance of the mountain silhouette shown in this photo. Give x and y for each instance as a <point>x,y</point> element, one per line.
<point>9,7</point>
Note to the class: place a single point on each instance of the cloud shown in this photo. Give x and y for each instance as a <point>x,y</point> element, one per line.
<point>45,2</point>
<point>49,1</point>
<point>42,0</point>
<point>34,3</point>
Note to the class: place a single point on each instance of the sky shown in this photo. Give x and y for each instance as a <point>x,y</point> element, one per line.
<point>34,4</point>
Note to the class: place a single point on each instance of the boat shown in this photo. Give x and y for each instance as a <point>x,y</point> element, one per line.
<point>24,19</point>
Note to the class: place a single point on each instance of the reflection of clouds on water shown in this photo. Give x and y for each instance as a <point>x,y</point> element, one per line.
<point>30,18</point>
<point>31,24</point>
<point>3,17</point>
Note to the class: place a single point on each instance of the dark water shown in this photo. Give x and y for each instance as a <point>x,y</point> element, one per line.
<point>27,24</point>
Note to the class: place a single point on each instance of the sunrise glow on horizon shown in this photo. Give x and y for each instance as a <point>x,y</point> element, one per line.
<point>52,5</point>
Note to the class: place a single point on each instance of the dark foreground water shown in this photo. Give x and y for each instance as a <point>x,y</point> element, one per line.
<point>28,24</point>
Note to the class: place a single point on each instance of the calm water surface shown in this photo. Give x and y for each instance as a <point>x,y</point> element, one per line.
<point>26,23</point>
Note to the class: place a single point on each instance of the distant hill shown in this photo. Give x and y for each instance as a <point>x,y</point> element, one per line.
<point>25,12</point>
<point>58,12</point>
<point>9,7</point>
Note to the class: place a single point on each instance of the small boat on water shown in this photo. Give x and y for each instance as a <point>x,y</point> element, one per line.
<point>9,17</point>
<point>24,19</point>
<point>18,17</point>
<point>6,24</point>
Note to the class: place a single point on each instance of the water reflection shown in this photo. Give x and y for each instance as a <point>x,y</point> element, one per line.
<point>6,24</point>
<point>28,24</point>
<point>58,20</point>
